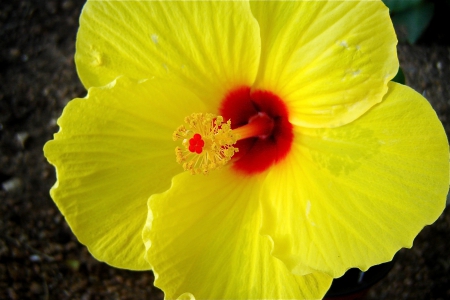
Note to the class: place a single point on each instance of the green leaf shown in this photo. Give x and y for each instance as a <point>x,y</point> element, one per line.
<point>411,23</point>
<point>400,5</point>
<point>400,77</point>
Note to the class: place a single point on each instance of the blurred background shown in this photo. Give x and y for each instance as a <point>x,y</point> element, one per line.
<point>39,256</point>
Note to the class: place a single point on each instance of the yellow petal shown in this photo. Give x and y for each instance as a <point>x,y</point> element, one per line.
<point>210,46</point>
<point>113,151</point>
<point>329,60</point>
<point>203,241</point>
<point>354,195</point>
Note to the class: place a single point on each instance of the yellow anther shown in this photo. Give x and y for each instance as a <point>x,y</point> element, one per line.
<point>207,143</point>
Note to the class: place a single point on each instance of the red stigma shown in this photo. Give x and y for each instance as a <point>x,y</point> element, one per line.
<point>257,154</point>
<point>196,144</point>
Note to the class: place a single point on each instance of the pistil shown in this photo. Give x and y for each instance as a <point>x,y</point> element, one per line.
<point>260,125</point>
<point>208,141</point>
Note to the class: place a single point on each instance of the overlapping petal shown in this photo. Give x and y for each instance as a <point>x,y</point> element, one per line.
<point>203,241</point>
<point>113,151</point>
<point>352,196</point>
<point>329,60</point>
<point>210,46</point>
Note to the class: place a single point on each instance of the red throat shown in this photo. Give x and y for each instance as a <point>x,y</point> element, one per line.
<point>271,134</point>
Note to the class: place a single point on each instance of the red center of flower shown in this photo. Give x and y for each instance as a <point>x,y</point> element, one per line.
<point>268,137</point>
<point>196,144</point>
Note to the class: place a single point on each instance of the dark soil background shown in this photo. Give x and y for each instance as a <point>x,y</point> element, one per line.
<point>39,256</point>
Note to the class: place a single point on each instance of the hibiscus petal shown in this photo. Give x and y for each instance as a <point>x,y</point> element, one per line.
<point>113,151</point>
<point>329,60</point>
<point>210,46</point>
<point>203,241</point>
<point>354,195</point>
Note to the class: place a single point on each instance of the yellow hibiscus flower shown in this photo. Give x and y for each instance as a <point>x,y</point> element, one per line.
<point>325,164</point>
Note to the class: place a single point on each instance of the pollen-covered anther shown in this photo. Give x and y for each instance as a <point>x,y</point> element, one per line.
<point>207,143</point>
